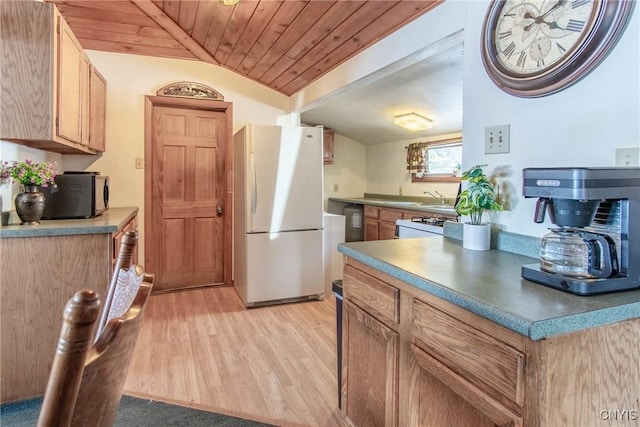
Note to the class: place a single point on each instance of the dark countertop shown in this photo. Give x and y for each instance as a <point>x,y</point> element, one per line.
<point>488,283</point>
<point>406,203</point>
<point>109,222</point>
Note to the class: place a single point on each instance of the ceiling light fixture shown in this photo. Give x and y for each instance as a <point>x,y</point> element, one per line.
<point>229,2</point>
<point>413,122</point>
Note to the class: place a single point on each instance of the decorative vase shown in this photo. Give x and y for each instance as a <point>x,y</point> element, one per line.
<point>30,205</point>
<point>476,237</point>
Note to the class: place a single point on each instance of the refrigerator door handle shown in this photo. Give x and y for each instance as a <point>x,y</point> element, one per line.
<point>254,184</point>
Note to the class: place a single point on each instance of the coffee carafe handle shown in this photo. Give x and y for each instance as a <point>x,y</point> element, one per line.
<point>541,207</point>
<point>602,250</point>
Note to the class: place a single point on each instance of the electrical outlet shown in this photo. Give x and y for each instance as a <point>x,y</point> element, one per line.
<point>496,139</point>
<point>628,156</point>
<point>336,188</point>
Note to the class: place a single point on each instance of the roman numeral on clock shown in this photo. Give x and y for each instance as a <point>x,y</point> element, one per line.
<point>522,59</point>
<point>508,51</point>
<point>505,34</point>
<point>577,3</point>
<point>575,25</point>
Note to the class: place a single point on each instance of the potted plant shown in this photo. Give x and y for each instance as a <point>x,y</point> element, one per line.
<point>30,203</point>
<point>480,195</point>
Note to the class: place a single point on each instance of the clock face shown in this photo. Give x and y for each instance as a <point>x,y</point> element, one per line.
<point>537,47</point>
<point>535,36</point>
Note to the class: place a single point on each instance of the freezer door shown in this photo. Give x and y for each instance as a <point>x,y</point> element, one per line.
<point>284,178</point>
<point>283,266</point>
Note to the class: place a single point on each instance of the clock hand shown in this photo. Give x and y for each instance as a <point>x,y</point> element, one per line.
<point>553,25</point>
<point>540,19</point>
<point>557,5</point>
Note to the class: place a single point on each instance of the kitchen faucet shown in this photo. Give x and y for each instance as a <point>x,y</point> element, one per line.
<point>443,201</point>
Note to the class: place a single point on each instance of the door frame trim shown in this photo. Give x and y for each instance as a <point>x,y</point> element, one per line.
<point>194,104</point>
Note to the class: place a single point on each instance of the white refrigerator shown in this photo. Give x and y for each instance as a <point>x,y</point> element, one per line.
<point>277,227</point>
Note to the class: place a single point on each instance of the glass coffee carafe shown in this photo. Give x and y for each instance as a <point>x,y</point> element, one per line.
<point>578,253</point>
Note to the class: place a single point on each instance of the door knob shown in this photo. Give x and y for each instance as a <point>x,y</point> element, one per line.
<point>219,210</point>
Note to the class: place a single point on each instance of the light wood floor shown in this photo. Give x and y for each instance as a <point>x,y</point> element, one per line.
<point>276,364</point>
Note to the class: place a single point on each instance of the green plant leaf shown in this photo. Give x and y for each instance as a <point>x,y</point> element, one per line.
<point>478,196</point>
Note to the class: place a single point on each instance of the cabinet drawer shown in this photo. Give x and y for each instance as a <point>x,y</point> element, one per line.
<point>371,211</point>
<point>473,354</point>
<point>389,215</point>
<point>373,295</point>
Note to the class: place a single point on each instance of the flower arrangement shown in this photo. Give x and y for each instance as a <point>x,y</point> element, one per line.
<point>479,196</point>
<point>28,173</point>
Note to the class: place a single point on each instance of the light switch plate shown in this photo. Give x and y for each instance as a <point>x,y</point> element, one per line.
<point>496,139</point>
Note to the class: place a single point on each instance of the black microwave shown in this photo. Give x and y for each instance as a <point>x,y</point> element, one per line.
<point>77,195</point>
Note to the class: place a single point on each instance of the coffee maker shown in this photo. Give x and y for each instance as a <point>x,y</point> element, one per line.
<point>596,246</point>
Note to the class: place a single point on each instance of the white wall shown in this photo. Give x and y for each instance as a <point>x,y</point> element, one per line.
<point>579,126</point>
<point>348,171</point>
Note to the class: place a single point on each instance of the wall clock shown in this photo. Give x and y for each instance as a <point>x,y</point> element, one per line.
<point>539,47</point>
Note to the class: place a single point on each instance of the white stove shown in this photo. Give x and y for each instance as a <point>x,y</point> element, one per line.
<point>419,227</point>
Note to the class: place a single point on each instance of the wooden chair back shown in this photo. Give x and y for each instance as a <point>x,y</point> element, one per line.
<point>86,380</point>
<point>122,287</point>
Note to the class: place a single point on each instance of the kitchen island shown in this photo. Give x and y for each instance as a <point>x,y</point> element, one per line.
<point>437,335</point>
<point>42,267</point>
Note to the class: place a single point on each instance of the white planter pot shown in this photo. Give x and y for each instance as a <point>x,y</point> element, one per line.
<point>476,237</point>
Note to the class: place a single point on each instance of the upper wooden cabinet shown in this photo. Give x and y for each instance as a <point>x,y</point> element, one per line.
<point>97,110</point>
<point>327,146</point>
<point>45,86</point>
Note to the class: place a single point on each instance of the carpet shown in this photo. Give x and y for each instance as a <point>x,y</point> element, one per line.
<point>133,412</point>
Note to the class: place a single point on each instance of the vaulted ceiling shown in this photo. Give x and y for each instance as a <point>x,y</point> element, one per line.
<point>284,45</point>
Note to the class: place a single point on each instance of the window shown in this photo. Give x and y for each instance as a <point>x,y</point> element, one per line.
<point>435,161</point>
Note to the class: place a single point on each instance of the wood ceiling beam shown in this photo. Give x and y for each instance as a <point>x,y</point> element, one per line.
<point>164,21</point>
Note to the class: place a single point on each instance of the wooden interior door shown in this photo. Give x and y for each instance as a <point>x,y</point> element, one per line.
<point>187,193</point>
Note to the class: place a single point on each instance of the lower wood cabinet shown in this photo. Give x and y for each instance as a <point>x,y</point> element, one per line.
<point>462,374</point>
<point>413,359</point>
<point>380,223</point>
<point>371,223</point>
<point>38,276</point>
<point>369,371</point>
<point>441,397</point>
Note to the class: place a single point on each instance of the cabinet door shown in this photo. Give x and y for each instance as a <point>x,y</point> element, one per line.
<point>369,369</point>
<point>97,110</point>
<point>371,231</point>
<point>440,397</point>
<point>327,146</point>
<point>72,86</point>
<point>387,231</point>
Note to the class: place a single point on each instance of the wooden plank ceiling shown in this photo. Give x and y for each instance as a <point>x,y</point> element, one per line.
<point>284,45</point>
